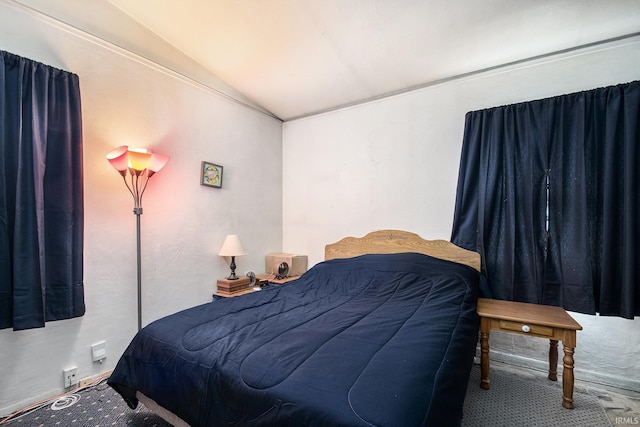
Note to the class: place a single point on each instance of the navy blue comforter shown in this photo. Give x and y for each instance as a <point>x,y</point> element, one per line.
<point>384,340</point>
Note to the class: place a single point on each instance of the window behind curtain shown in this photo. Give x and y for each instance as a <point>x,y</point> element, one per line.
<point>41,194</point>
<point>549,194</point>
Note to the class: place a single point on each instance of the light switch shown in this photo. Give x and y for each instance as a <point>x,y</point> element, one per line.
<point>99,351</point>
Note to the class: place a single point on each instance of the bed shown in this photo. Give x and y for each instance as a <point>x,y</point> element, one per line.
<point>383,332</point>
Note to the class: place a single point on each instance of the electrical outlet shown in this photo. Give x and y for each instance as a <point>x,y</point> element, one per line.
<point>70,377</point>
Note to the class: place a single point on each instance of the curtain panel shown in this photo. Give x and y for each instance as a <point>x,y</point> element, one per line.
<point>549,194</point>
<point>41,194</point>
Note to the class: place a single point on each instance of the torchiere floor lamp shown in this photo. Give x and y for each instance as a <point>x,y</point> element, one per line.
<point>138,164</point>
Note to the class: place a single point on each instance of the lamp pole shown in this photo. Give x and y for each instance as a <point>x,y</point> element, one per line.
<point>138,212</point>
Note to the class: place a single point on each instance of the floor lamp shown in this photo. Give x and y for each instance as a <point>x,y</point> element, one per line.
<point>138,166</point>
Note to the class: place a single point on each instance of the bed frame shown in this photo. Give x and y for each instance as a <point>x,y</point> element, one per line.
<point>376,242</point>
<point>396,241</point>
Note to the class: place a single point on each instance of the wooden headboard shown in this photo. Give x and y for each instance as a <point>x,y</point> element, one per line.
<point>396,241</point>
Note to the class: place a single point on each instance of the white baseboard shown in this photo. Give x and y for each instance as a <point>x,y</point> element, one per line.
<point>52,395</point>
<point>626,383</point>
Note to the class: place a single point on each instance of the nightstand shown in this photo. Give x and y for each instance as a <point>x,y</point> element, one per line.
<point>543,321</point>
<point>270,278</point>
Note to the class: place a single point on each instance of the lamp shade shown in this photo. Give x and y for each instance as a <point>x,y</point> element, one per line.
<point>232,246</point>
<point>138,159</point>
<point>157,162</point>
<point>119,158</point>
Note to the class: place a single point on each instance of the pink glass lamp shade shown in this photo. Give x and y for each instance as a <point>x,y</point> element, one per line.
<point>156,162</point>
<point>138,159</point>
<point>119,159</point>
<point>140,164</point>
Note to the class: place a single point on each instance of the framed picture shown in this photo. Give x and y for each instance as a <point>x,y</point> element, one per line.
<point>211,175</point>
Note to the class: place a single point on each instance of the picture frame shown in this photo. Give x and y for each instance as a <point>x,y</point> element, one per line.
<point>211,174</point>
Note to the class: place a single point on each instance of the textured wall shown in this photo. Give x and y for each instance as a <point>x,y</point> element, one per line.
<point>127,100</point>
<point>393,163</point>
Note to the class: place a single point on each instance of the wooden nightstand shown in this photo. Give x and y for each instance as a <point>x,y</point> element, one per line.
<point>271,278</point>
<point>233,288</point>
<point>542,321</point>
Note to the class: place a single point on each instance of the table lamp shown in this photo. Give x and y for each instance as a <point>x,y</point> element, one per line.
<point>232,247</point>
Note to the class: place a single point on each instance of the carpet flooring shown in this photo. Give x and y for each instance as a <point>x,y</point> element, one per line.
<point>517,397</point>
<point>512,402</point>
<point>98,406</point>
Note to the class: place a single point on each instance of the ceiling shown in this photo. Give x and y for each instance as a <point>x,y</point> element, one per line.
<point>293,58</point>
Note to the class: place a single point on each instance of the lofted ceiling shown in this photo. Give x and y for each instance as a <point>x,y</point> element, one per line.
<point>293,58</point>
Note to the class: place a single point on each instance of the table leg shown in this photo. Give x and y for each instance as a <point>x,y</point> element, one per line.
<point>567,377</point>
<point>485,327</point>
<point>553,360</point>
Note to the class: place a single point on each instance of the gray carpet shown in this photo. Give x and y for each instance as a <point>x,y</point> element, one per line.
<point>512,401</point>
<point>98,406</point>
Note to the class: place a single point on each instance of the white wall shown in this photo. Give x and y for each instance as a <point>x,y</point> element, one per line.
<point>393,163</point>
<point>127,100</point>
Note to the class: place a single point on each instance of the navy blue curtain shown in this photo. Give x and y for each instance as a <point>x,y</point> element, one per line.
<point>549,195</point>
<point>41,194</point>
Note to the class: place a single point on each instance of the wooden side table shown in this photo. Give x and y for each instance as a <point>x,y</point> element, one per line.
<point>543,321</point>
<point>271,278</point>
<point>233,288</point>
